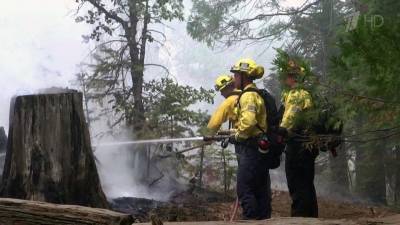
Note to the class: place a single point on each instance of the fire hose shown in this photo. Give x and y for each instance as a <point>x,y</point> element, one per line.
<point>223,136</point>
<point>218,137</point>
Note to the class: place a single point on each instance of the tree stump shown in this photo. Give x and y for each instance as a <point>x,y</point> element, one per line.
<point>3,147</point>
<point>22,212</point>
<point>49,155</point>
<point>3,140</point>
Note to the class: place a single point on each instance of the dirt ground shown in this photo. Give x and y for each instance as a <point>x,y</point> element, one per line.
<point>330,209</point>
<point>391,220</point>
<point>196,209</point>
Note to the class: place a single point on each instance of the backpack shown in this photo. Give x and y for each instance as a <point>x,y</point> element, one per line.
<point>274,117</point>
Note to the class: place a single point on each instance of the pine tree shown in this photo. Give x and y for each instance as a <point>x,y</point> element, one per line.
<point>365,79</point>
<point>126,27</point>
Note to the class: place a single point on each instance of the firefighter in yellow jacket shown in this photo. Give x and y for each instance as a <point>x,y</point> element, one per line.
<point>300,161</point>
<point>225,112</point>
<point>253,181</point>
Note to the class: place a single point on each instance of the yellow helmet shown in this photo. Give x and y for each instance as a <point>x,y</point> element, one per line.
<point>223,81</point>
<point>249,68</point>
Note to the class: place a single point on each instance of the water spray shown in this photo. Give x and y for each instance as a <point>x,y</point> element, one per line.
<point>166,140</point>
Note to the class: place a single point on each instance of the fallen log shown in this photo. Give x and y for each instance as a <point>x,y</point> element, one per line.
<point>23,212</point>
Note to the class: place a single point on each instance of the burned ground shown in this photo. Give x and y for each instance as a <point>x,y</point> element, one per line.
<point>209,207</point>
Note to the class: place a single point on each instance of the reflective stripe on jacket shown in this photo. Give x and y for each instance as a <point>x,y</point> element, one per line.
<point>252,115</point>
<point>296,100</point>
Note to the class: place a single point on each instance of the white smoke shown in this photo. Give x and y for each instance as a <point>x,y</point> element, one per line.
<point>40,47</point>
<point>117,171</point>
<point>45,52</point>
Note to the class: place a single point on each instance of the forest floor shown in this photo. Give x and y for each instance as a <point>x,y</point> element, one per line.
<point>212,207</point>
<point>391,220</point>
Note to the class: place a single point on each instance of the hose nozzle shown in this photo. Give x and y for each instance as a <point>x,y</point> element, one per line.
<point>215,138</point>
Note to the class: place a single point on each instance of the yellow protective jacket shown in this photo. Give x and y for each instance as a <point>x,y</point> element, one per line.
<point>295,101</point>
<point>251,115</point>
<point>224,112</point>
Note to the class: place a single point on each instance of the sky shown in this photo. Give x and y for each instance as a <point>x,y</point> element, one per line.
<point>41,46</point>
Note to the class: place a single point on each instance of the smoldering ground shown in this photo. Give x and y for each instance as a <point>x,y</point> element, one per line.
<point>136,171</point>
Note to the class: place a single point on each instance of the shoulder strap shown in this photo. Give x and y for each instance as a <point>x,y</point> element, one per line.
<point>247,90</point>
<point>233,93</point>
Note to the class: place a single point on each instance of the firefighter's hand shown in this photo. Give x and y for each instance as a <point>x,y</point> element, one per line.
<point>225,132</point>
<point>283,132</point>
<point>232,139</point>
<point>235,138</point>
<point>207,140</point>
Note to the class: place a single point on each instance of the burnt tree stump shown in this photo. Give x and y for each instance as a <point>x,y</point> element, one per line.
<point>3,147</point>
<point>3,140</point>
<point>49,155</point>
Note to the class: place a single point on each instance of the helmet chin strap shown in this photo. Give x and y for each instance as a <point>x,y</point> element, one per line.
<point>241,82</point>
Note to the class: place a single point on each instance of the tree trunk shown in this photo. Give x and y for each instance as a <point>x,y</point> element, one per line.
<point>201,167</point>
<point>397,177</point>
<point>3,140</point>
<point>49,154</point>
<point>3,148</point>
<point>225,173</point>
<point>370,172</point>
<point>137,118</point>
<point>22,212</point>
<point>339,173</point>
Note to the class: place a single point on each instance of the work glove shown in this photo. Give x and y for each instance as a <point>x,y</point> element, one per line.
<point>283,132</point>
<point>226,132</point>
<point>236,139</point>
<point>232,139</point>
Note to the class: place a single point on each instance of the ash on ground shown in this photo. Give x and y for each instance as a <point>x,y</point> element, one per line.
<point>203,205</point>
<point>183,206</point>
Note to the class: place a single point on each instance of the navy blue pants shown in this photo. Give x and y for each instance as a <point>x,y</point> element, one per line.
<point>253,183</point>
<point>300,171</point>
